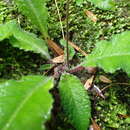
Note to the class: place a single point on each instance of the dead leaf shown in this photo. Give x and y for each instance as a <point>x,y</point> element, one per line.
<point>95,126</point>
<point>104,79</point>
<point>123,116</point>
<point>91,70</point>
<point>59,59</point>
<point>88,83</point>
<point>98,91</point>
<point>54,47</point>
<point>76,69</point>
<point>91,16</point>
<point>77,48</point>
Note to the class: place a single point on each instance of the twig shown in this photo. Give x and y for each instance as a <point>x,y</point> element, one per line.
<point>67,34</point>
<point>127,84</point>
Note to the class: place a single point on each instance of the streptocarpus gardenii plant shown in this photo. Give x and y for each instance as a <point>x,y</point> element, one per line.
<point>27,103</point>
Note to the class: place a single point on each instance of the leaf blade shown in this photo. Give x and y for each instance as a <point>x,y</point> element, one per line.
<point>6,30</point>
<point>75,101</point>
<point>36,12</point>
<point>22,39</point>
<point>27,107</point>
<point>111,55</point>
<point>29,42</point>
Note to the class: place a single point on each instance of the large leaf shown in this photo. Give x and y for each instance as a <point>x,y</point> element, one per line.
<point>103,4</point>
<point>36,11</point>
<point>29,42</point>
<point>75,101</point>
<point>22,39</point>
<point>112,55</point>
<point>25,104</point>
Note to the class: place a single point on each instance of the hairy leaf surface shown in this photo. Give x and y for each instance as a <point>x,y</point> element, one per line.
<point>75,101</point>
<point>22,39</point>
<point>112,55</point>
<point>25,104</point>
<point>36,12</point>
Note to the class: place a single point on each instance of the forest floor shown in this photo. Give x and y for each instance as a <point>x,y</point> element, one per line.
<point>109,113</point>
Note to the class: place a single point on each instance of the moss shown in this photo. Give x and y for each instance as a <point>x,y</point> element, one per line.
<point>14,62</point>
<point>84,32</point>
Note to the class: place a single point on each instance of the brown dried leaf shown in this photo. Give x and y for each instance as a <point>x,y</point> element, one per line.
<point>88,83</point>
<point>91,16</point>
<point>98,91</point>
<point>104,79</point>
<point>91,70</point>
<point>59,59</point>
<point>77,48</point>
<point>95,125</point>
<point>54,47</point>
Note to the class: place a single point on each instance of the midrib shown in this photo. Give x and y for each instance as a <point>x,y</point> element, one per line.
<point>27,97</point>
<point>36,14</point>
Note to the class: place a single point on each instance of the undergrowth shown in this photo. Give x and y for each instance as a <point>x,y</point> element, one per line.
<point>14,63</point>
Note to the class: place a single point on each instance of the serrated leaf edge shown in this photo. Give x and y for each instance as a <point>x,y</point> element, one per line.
<point>7,125</point>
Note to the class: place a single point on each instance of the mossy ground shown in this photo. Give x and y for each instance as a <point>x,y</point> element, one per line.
<point>85,33</point>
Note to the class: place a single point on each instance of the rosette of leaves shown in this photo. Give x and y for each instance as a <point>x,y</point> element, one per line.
<point>27,103</point>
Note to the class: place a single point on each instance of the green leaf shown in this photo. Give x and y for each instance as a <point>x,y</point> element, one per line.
<point>22,39</point>
<point>45,67</point>
<point>25,104</point>
<point>104,4</point>
<point>6,30</point>
<point>29,42</point>
<point>78,2</point>
<point>112,55</point>
<point>75,101</point>
<point>71,49</point>
<point>36,12</point>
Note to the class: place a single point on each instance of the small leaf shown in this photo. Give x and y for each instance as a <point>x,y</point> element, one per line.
<point>78,2</point>
<point>59,59</point>
<point>25,104</point>
<point>75,101</point>
<point>95,125</point>
<point>71,49</point>
<point>91,16</point>
<point>111,55</point>
<point>37,13</point>
<point>104,4</point>
<point>104,79</point>
<point>45,67</point>
<point>88,83</point>
<point>77,48</point>
<point>54,47</point>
